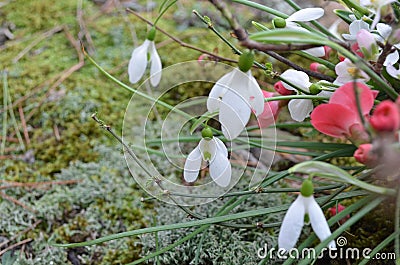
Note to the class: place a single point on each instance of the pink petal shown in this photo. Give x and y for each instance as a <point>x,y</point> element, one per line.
<point>334,119</point>
<point>346,96</point>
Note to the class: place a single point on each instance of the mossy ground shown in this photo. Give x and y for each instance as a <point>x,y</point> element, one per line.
<point>65,144</point>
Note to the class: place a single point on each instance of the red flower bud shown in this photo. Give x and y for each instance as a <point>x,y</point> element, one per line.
<point>386,117</point>
<point>282,90</point>
<point>364,155</point>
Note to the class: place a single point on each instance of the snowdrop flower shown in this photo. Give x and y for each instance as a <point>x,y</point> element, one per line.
<point>212,150</point>
<point>303,15</point>
<point>304,206</point>
<point>376,6</point>
<point>347,72</point>
<point>138,62</point>
<point>299,108</point>
<point>236,95</point>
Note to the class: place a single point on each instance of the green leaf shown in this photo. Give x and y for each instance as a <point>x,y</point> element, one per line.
<point>335,173</point>
<point>288,36</point>
<point>344,14</point>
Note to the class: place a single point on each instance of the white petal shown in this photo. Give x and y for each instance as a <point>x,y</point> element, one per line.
<point>317,51</point>
<point>155,65</point>
<point>218,91</point>
<point>393,71</point>
<point>208,149</point>
<point>256,97</point>
<point>292,224</point>
<point>356,26</point>
<point>234,113</point>
<point>306,14</point>
<point>384,30</point>
<point>317,219</point>
<point>297,78</point>
<point>221,147</point>
<point>138,62</point>
<point>391,58</point>
<point>220,170</point>
<point>300,108</point>
<point>192,165</point>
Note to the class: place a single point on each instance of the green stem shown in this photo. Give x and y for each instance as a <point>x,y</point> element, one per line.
<point>164,10</point>
<point>296,97</point>
<point>212,28</point>
<point>137,92</point>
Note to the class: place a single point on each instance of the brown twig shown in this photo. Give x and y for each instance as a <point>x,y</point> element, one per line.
<point>387,49</point>
<point>17,202</point>
<point>180,42</point>
<point>15,245</point>
<point>45,35</point>
<point>20,233</point>
<point>9,139</point>
<point>23,124</point>
<point>83,29</point>
<point>268,49</point>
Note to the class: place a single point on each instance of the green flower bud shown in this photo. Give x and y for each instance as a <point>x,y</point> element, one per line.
<point>207,133</point>
<point>307,188</point>
<point>246,61</point>
<point>279,22</point>
<point>151,35</point>
<point>315,89</point>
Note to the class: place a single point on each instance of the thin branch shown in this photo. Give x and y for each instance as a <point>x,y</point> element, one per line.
<point>15,245</point>
<point>23,124</point>
<point>387,49</point>
<point>17,202</point>
<point>180,42</point>
<point>20,233</point>
<point>268,49</point>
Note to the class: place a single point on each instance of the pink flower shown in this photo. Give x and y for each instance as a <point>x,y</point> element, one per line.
<point>281,89</point>
<point>270,113</point>
<point>364,155</point>
<point>386,117</point>
<point>340,116</point>
<point>367,44</point>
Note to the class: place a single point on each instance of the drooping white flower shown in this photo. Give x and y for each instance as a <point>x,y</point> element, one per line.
<point>212,150</point>
<point>346,71</point>
<point>299,109</point>
<point>138,62</point>
<point>306,15</point>
<point>293,221</point>
<point>235,96</point>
